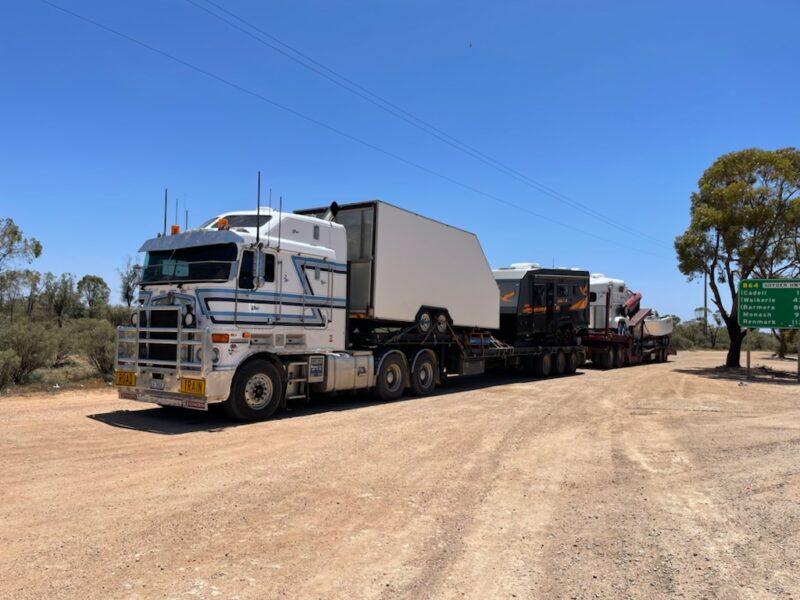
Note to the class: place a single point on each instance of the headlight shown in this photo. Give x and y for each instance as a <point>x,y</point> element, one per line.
<point>214,355</point>
<point>188,319</point>
<point>135,318</point>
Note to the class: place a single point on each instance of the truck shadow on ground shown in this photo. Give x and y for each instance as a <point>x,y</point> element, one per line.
<point>758,374</point>
<point>176,421</point>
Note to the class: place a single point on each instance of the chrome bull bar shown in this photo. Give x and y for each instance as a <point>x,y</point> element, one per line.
<point>187,339</point>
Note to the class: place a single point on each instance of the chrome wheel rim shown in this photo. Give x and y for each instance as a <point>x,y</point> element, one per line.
<point>425,375</point>
<point>258,391</point>
<point>425,323</point>
<point>393,377</point>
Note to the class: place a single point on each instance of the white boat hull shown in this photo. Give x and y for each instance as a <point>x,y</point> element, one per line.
<point>658,327</point>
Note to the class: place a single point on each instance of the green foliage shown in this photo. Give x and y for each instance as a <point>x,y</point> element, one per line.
<point>14,246</point>
<point>94,339</point>
<point>128,280</point>
<point>95,293</point>
<point>745,219</point>
<point>32,343</point>
<point>119,315</point>
<point>60,297</point>
<point>9,365</point>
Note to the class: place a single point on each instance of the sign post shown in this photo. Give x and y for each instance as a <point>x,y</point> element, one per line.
<point>770,303</point>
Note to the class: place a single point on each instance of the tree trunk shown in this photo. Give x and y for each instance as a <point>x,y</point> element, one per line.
<point>737,335</point>
<point>782,347</point>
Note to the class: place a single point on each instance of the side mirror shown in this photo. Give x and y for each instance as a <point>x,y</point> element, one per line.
<point>592,296</point>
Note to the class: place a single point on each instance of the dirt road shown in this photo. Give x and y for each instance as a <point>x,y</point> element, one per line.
<point>658,481</point>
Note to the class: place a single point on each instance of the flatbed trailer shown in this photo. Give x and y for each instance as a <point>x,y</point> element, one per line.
<point>609,349</point>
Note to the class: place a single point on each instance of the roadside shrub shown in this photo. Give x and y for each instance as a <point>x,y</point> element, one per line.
<point>119,315</point>
<point>32,343</point>
<point>94,340</point>
<point>677,341</point>
<point>9,363</point>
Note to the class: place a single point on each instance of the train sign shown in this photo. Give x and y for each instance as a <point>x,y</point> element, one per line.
<point>769,303</point>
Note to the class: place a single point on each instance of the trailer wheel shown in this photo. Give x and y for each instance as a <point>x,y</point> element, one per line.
<point>441,323</point>
<point>572,363</point>
<point>256,392</point>
<point>391,378</point>
<point>615,358</point>
<point>602,359</point>
<point>559,364</point>
<point>424,321</point>
<point>423,376</point>
<point>542,365</point>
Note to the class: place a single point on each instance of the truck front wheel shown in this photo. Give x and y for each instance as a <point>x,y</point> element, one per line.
<point>391,378</point>
<point>256,392</point>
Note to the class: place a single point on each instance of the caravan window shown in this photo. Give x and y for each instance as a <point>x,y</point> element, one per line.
<point>538,294</point>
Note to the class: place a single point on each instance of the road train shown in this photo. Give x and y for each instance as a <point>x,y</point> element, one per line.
<point>258,308</point>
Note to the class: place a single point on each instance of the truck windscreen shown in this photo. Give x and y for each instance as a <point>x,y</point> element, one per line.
<point>199,263</point>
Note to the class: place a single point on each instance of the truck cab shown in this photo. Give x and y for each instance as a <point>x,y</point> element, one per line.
<point>246,286</point>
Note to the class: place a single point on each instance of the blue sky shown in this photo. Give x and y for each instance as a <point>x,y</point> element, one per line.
<point>618,106</point>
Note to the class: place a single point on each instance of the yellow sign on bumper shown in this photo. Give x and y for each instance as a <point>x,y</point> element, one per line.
<point>195,387</point>
<point>125,378</point>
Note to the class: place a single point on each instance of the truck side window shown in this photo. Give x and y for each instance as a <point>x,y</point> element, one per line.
<point>269,268</point>
<point>561,290</point>
<point>246,270</point>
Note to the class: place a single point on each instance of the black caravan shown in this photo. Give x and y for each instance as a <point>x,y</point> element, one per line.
<point>542,306</point>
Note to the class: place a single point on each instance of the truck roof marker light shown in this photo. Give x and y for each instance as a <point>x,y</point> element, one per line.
<point>175,229</point>
<point>220,338</point>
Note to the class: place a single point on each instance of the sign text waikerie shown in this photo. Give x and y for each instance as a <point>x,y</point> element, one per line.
<point>773,303</point>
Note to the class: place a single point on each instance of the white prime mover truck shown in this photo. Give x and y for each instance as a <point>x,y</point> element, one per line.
<point>256,308</point>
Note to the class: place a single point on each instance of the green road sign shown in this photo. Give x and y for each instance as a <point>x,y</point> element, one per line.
<point>773,303</point>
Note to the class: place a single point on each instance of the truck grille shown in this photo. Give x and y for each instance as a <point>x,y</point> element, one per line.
<point>159,343</point>
<point>150,348</point>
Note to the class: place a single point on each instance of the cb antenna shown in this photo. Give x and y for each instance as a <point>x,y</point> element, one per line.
<point>258,211</point>
<point>165,212</point>
<point>270,215</point>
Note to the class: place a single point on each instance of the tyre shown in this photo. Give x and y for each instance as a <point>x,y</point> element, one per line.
<point>542,365</point>
<point>559,363</point>
<point>441,323</point>
<point>572,363</point>
<point>602,359</point>
<point>391,381</point>
<point>615,356</point>
<point>256,392</point>
<point>423,375</point>
<point>424,322</point>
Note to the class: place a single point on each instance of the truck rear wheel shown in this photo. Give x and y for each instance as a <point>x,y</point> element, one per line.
<point>256,392</point>
<point>542,365</point>
<point>423,376</point>
<point>391,378</point>
<point>559,364</point>
<point>572,363</point>
<point>602,359</point>
<point>616,358</point>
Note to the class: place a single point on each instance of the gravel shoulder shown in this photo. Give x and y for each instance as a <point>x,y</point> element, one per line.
<point>659,481</point>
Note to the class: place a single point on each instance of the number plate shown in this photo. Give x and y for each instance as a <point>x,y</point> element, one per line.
<point>195,387</point>
<point>125,378</point>
<point>157,384</point>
